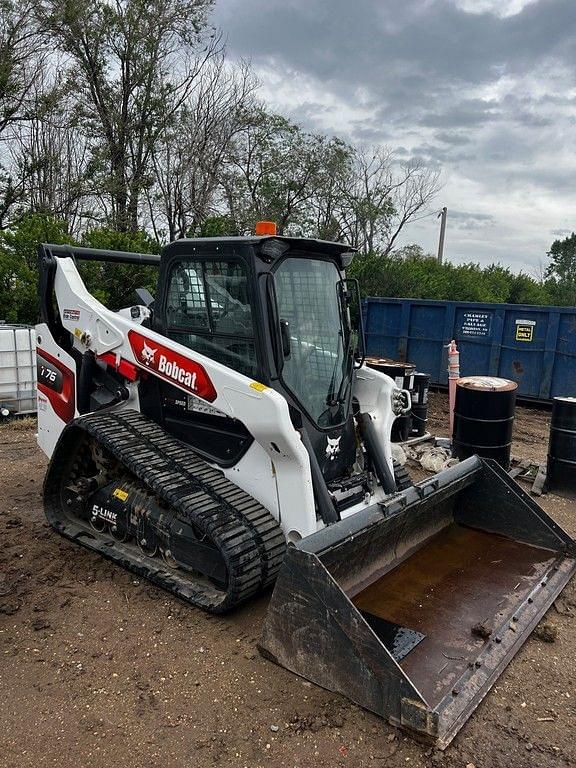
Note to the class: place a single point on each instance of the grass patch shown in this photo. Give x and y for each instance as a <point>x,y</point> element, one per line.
<point>19,424</point>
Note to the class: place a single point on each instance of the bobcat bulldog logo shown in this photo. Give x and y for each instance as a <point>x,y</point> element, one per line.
<point>332,447</point>
<point>147,354</point>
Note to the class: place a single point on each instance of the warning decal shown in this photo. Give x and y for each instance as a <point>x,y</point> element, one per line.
<point>525,330</point>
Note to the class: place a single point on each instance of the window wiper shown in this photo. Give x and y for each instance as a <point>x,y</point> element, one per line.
<point>339,397</point>
<point>331,397</point>
<point>346,378</point>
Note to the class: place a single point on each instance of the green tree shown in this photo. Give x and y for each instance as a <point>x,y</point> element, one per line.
<point>277,172</point>
<point>217,226</point>
<point>562,256</point>
<point>133,64</point>
<point>525,290</point>
<point>412,252</point>
<point>18,265</point>
<point>561,271</point>
<point>114,284</point>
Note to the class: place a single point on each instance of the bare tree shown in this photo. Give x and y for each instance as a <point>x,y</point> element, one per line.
<point>416,187</point>
<point>538,272</point>
<point>278,171</point>
<point>188,158</point>
<point>383,196</point>
<point>134,65</point>
<point>50,159</point>
<point>21,66</point>
<point>21,60</point>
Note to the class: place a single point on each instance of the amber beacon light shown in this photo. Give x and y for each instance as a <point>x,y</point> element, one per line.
<point>265,228</point>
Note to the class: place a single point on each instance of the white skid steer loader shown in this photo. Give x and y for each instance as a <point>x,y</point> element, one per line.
<point>226,435</point>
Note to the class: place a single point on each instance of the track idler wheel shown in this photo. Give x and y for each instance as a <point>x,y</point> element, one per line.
<point>119,532</point>
<point>146,539</point>
<point>169,559</point>
<point>97,524</point>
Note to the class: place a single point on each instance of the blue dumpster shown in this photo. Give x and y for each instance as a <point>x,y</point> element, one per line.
<point>534,346</point>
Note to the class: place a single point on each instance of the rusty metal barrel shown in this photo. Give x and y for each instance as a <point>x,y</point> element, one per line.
<point>561,472</point>
<point>484,418</point>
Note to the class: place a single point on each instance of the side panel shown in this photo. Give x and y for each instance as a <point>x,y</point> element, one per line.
<point>56,389</point>
<point>255,473</point>
<point>373,390</point>
<point>263,411</point>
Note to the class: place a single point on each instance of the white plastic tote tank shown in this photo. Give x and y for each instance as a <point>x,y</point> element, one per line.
<point>17,370</point>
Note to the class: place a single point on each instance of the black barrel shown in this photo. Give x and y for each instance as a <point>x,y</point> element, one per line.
<point>403,375</point>
<point>420,404</point>
<point>561,473</point>
<point>484,418</point>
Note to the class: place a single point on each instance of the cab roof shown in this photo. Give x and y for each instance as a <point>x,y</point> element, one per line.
<point>311,245</point>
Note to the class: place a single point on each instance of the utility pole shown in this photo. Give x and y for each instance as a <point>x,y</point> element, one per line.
<point>443,213</point>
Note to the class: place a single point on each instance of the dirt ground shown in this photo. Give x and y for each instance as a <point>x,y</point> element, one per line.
<point>98,668</point>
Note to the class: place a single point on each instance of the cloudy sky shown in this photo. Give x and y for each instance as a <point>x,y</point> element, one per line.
<point>483,89</point>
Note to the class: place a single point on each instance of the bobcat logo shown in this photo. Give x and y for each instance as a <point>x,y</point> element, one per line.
<point>332,447</point>
<point>148,354</point>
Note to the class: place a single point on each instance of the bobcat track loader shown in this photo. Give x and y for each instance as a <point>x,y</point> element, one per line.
<point>227,435</point>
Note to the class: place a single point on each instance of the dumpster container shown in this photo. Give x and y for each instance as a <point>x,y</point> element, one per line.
<point>533,346</point>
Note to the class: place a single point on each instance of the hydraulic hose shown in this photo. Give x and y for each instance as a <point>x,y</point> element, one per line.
<point>375,452</point>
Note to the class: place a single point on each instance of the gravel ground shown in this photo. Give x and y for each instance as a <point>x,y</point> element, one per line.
<point>100,669</point>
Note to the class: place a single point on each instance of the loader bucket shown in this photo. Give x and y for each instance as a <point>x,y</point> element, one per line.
<point>412,608</point>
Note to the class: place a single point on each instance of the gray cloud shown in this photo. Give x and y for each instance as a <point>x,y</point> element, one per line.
<point>467,113</point>
<point>356,42</point>
<point>469,220</point>
<point>486,96</point>
<point>455,138</point>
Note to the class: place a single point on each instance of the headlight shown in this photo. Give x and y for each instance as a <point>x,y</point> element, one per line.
<point>401,402</point>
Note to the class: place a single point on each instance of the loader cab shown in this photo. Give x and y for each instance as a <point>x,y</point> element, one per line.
<point>276,310</point>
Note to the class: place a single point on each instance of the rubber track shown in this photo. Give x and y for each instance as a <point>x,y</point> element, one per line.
<point>247,535</point>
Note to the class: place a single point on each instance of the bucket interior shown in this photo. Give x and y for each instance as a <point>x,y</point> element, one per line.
<point>446,600</point>
<point>413,607</point>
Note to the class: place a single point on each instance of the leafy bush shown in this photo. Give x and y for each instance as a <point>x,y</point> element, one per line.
<point>18,265</point>
<point>113,284</point>
<point>399,275</point>
<point>427,279</point>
